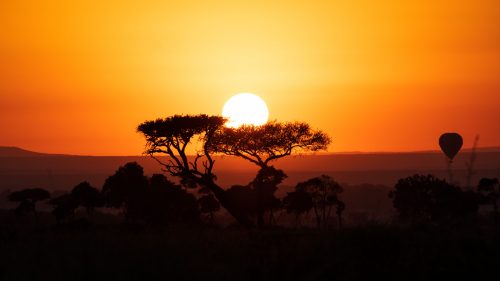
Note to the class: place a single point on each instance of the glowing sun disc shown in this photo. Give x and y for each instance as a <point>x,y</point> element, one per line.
<point>245,109</point>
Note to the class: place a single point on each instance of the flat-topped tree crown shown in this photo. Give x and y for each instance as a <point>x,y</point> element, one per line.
<point>273,140</point>
<point>178,129</point>
<point>173,134</point>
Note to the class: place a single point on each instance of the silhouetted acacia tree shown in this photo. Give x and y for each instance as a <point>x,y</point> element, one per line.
<point>489,190</point>
<point>172,136</point>
<point>324,192</point>
<point>297,202</point>
<point>263,144</point>
<point>27,199</point>
<point>425,198</point>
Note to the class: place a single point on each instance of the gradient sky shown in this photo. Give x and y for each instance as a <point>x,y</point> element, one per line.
<point>79,76</point>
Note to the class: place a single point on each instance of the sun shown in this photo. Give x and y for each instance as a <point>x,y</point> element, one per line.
<point>245,109</point>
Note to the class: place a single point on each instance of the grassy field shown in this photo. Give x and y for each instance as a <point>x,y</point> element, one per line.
<point>113,252</point>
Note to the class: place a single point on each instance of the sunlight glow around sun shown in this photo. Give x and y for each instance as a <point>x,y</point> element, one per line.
<point>245,109</point>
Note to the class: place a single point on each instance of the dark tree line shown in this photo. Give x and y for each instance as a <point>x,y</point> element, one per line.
<point>156,200</point>
<point>146,200</point>
<point>425,199</point>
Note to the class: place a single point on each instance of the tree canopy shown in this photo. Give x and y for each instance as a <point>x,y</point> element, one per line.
<point>271,141</point>
<point>172,135</point>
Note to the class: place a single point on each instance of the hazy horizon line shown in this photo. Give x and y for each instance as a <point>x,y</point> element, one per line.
<point>318,153</point>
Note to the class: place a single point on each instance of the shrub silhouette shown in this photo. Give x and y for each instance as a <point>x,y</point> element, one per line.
<point>121,189</point>
<point>82,195</point>
<point>64,206</point>
<point>324,192</point>
<point>426,199</point>
<point>489,190</point>
<point>27,199</point>
<point>297,202</point>
<point>164,202</point>
<point>87,196</point>
<point>257,198</point>
<point>153,201</point>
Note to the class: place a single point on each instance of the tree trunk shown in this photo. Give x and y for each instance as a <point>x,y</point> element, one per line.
<point>220,194</point>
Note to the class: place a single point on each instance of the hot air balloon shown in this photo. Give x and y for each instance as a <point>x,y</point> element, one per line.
<point>450,144</point>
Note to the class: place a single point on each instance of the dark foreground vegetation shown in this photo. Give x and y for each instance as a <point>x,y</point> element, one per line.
<point>147,228</point>
<point>390,252</point>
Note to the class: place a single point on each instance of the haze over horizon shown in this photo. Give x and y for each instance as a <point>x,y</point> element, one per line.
<point>14,151</point>
<point>78,77</point>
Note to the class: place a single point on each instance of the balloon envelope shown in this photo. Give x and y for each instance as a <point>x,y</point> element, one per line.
<point>450,144</point>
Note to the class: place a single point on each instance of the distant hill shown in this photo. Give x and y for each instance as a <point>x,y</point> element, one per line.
<point>20,168</point>
<point>486,149</point>
<point>12,151</point>
<point>479,149</point>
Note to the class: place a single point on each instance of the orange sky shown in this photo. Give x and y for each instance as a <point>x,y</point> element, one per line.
<point>79,76</point>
